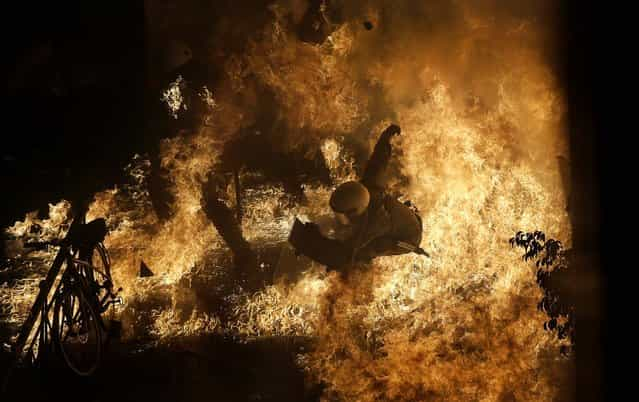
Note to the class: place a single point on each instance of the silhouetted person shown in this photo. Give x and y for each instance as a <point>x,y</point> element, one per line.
<point>226,222</point>
<point>372,222</point>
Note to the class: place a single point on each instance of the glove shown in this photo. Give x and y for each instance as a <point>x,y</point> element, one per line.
<point>391,130</point>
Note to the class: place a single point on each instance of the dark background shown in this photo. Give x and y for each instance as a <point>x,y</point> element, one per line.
<point>80,104</point>
<point>76,106</point>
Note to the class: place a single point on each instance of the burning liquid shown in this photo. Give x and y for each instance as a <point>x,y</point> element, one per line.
<point>481,133</point>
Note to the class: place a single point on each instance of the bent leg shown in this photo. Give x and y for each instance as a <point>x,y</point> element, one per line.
<point>224,220</point>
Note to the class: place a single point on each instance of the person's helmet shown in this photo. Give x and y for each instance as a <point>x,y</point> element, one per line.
<point>350,198</point>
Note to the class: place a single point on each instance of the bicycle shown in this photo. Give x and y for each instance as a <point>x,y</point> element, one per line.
<point>66,316</point>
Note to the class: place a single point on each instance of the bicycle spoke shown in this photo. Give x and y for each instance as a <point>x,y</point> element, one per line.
<point>75,316</point>
<point>72,324</point>
<point>66,335</point>
<point>72,319</point>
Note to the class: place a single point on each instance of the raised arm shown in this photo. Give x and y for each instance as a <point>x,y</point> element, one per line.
<point>373,175</point>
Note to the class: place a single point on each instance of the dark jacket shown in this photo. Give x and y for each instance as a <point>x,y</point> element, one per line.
<point>386,222</point>
<point>387,227</point>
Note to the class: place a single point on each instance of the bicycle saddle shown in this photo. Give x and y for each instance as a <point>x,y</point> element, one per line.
<point>88,235</point>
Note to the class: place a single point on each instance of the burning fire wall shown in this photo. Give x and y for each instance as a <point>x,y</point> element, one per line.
<point>273,107</point>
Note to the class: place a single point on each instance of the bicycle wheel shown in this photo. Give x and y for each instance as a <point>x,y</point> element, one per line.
<point>77,331</point>
<point>28,343</point>
<point>37,350</point>
<point>98,276</point>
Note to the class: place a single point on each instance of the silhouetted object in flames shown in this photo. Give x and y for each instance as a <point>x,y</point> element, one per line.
<point>376,223</point>
<point>145,271</point>
<point>554,277</point>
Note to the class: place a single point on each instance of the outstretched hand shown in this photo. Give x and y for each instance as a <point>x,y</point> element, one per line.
<point>391,131</point>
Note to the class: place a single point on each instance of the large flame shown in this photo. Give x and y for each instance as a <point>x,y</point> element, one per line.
<point>481,116</point>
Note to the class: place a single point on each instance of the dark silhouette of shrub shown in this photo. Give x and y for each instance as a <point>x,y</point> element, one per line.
<point>554,277</point>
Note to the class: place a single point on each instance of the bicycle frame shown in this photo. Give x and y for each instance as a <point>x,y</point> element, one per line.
<point>40,309</point>
<point>41,301</point>
<point>45,299</point>
<point>82,283</point>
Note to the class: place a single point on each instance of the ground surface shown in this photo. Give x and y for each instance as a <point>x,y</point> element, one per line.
<point>198,369</point>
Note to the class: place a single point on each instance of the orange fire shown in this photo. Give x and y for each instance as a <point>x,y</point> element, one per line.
<point>481,115</point>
